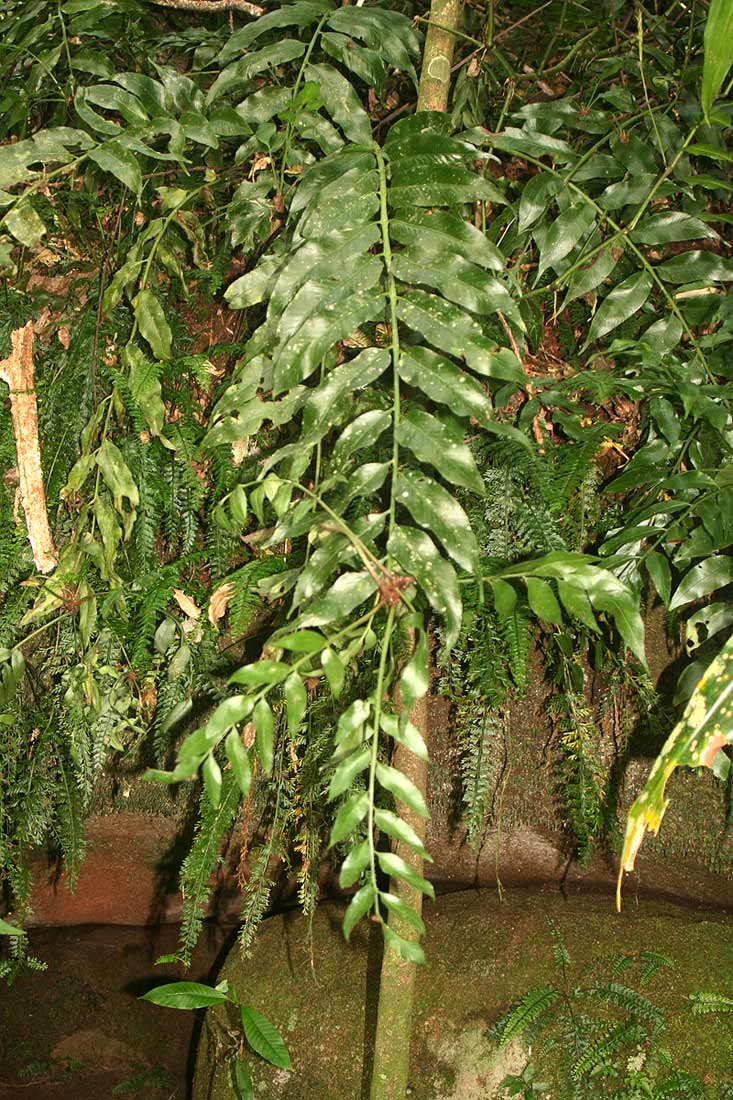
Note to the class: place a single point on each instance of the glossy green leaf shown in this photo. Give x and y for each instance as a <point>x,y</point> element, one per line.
<point>264,1038</point>
<point>437,184</point>
<point>301,14</point>
<point>399,829</point>
<point>450,329</point>
<point>440,513</point>
<point>347,771</point>
<point>415,679</point>
<point>349,816</point>
<point>671,225</point>
<point>356,861</point>
<point>707,576</point>
<point>361,434</point>
<point>296,701</point>
<point>696,267</point>
<point>437,233</point>
<point>25,224</point>
<point>718,43</point>
<point>238,757</point>
<point>341,103</point>
<point>212,779</point>
<point>113,157</point>
<point>505,596</point>
<point>304,641</point>
<point>185,995</point>
<point>261,672</point>
<point>406,913</point>
<point>658,569</point>
<point>459,281</point>
<point>264,734</point>
<point>331,400</point>
<point>344,595</point>
<point>396,867</point>
<point>152,323</point>
<point>10,929</point>
<point>410,950</point>
<point>564,234</point>
<point>117,476</point>
<point>391,34</point>
<point>242,1083</point>
<point>418,556</point>
<point>365,63</point>
<point>360,904</point>
<point>589,277</point>
<point>256,61</point>
<point>402,788</point>
<point>433,441</point>
<point>334,670</point>
<point>623,302</point>
<point>537,198</point>
<point>542,601</point>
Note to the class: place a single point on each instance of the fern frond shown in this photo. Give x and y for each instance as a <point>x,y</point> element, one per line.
<point>532,1006</point>
<point>601,1050</point>
<point>706,1003</point>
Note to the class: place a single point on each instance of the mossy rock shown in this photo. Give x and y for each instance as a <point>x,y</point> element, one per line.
<point>482,956</point>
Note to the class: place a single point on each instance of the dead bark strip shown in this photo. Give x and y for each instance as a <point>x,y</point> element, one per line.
<point>209,6</point>
<point>18,372</point>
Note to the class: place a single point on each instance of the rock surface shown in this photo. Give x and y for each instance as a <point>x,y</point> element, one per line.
<point>482,956</point>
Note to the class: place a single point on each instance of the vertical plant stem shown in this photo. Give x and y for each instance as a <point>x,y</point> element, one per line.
<point>391,1065</point>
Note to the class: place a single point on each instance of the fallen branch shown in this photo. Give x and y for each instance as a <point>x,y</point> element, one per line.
<point>209,6</point>
<point>17,371</point>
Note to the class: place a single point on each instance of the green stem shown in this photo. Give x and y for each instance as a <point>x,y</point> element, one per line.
<point>296,88</point>
<point>378,695</point>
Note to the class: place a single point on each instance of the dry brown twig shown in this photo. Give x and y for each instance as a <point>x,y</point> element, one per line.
<point>18,372</point>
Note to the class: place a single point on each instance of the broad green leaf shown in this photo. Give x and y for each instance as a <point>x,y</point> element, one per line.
<point>238,757</point>
<point>360,904</point>
<point>415,679</point>
<point>402,788</point>
<point>301,14</point>
<point>365,63</point>
<point>264,1038</point>
<point>254,62</point>
<point>576,602</point>
<point>439,233</point>
<point>261,672</point>
<point>117,476</point>
<point>623,302</point>
<point>264,734</point>
<point>405,912</point>
<point>318,260</point>
<point>152,323</point>
<point>505,596</point>
<point>658,569</point>
<point>705,727</point>
<point>347,771</point>
<point>227,714</point>
<point>718,43</point>
<point>341,102</point>
<point>304,641</point>
<point>533,143</point>
<point>351,814</point>
<point>436,184</point>
<point>410,950</point>
<point>212,779</point>
<point>591,276</point>
<point>113,157</point>
<point>564,234</point>
<point>542,601</point>
<point>25,224</point>
<point>399,829</point>
<point>296,701</point>
<point>360,434</point>
<point>344,595</point>
<point>696,267</point>
<point>185,995</point>
<point>391,34</point>
<point>334,670</point>
<point>433,441</point>
<point>330,401</point>
<point>418,556</point>
<point>537,198</point>
<point>10,929</point>
<point>459,281</point>
<point>402,730</point>
<point>352,720</point>
<point>450,329</point>
<point>242,1080</point>
<point>396,867</point>
<point>356,861</point>
<point>671,225</point>
<point>440,513</point>
<point>706,577</point>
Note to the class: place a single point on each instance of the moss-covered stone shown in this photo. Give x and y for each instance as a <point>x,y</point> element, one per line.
<point>483,954</point>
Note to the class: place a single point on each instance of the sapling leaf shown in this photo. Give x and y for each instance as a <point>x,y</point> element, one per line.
<point>361,903</point>
<point>185,995</point>
<point>402,788</point>
<point>264,1038</point>
<point>264,734</point>
<point>356,861</point>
